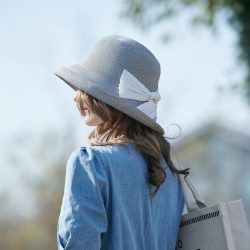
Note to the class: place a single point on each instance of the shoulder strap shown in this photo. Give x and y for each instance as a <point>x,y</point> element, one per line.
<point>192,198</point>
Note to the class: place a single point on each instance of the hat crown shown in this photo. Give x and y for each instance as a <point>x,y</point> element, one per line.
<point>112,54</point>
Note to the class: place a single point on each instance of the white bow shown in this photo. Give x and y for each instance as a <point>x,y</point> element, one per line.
<point>131,88</point>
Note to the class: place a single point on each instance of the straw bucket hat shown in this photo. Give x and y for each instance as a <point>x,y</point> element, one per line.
<point>122,73</point>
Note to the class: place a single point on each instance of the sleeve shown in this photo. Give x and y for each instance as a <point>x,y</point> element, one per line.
<point>83,215</point>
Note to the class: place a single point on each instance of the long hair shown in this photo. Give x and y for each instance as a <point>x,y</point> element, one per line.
<point>118,128</point>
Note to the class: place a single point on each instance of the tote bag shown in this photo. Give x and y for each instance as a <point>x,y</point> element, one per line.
<point>220,227</point>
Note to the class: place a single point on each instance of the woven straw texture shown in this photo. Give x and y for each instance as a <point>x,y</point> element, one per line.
<point>99,73</point>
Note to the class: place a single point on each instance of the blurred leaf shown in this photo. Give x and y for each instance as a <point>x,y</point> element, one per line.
<point>149,13</point>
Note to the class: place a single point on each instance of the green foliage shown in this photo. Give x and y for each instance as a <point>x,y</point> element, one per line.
<point>148,13</point>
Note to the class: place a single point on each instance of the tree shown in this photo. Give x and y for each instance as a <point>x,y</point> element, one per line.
<point>146,13</point>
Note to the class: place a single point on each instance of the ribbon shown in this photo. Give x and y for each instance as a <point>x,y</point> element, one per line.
<point>131,88</point>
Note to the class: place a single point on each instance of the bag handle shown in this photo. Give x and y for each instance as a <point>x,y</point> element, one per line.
<point>191,196</point>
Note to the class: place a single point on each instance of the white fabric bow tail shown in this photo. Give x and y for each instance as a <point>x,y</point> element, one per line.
<point>131,88</point>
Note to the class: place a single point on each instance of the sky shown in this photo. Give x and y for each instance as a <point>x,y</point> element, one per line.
<point>38,35</point>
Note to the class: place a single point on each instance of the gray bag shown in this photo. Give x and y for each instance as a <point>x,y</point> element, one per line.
<point>220,227</point>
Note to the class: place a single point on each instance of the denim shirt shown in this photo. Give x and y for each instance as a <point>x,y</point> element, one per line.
<point>106,204</point>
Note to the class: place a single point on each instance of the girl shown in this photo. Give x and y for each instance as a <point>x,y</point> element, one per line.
<point>122,191</point>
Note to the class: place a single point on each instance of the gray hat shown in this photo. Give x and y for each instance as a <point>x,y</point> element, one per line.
<point>123,74</point>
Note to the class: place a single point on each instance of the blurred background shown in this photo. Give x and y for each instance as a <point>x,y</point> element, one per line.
<point>204,51</point>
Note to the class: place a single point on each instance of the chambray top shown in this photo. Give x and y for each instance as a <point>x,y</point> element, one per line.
<point>105,204</point>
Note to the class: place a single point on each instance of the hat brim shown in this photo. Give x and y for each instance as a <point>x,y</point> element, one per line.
<point>76,81</point>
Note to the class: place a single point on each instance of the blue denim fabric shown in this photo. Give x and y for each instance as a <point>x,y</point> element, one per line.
<point>105,204</point>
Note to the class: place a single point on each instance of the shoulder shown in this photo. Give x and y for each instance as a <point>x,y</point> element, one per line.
<point>90,152</point>
<point>113,150</point>
<point>85,160</point>
<point>83,155</point>
<point>86,179</point>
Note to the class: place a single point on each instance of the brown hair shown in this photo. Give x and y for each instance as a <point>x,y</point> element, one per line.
<point>118,128</point>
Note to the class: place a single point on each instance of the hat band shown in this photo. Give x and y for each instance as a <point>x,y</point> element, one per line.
<point>132,88</point>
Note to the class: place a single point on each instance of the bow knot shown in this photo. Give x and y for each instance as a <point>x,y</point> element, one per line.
<point>155,96</point>
<point>132,88</point>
